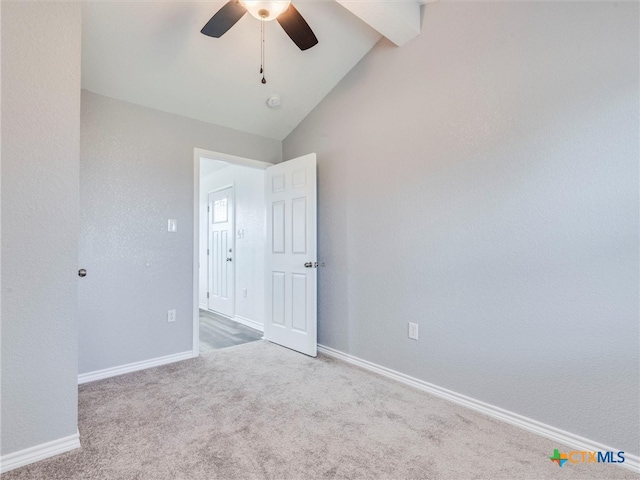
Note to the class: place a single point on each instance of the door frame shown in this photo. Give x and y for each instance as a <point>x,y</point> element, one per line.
<point>223,157</point>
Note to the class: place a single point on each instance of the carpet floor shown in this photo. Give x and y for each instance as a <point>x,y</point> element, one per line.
<point>259,411</point>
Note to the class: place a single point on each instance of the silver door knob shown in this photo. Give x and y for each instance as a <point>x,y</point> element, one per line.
<point>82,272</point>
<point>308,265</point>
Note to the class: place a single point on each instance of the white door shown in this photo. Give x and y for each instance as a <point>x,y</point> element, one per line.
<point>291,263</point>
<point>221,252</point>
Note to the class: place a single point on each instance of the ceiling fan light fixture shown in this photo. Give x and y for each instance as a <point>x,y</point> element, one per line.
<point>265,9</point>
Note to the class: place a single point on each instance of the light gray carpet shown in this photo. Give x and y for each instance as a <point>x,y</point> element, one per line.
<point>261,411</point>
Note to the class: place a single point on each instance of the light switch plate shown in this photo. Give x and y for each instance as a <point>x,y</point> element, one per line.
<point>172,225</point>
<point>413,331</point>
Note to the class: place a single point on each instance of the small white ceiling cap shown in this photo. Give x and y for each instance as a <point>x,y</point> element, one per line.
<point>273,101</point>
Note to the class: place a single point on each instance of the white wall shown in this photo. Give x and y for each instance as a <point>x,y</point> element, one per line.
<point>40,155</point>
<point>482,181</point>
<point>250,217</point>
<point>136,172</point>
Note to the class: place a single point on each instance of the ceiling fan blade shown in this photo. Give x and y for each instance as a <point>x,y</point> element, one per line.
<point>297,28</point>
<point>224,19</point>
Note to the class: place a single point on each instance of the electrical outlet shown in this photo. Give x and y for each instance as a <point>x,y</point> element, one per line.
<point>413,331</point>
<point>171,315</point>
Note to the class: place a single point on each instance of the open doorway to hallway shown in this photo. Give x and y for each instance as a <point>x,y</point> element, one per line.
<point>230,241</point>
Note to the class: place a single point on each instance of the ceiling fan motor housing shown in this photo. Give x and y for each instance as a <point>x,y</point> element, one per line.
<point>266,9</point>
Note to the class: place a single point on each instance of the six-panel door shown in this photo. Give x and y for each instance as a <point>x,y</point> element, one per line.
<point>291,268</point>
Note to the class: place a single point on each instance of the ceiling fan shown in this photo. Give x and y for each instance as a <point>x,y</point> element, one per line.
<point>282,10</point>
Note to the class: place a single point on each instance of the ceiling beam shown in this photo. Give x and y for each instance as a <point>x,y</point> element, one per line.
<point>397,20</point>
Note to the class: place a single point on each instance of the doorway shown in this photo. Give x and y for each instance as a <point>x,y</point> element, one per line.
<point>275,292</point>
<point>229,226</point>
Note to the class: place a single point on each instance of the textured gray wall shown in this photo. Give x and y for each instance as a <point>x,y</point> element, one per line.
<point>136,172</point>
<point>40,154</point>
<point>482,181</point>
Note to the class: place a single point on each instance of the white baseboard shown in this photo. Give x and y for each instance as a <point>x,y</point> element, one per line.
<point>133,367</point>
<point>203,306</point>
<point>249,323</point>
<point>39,452</point>
<point>632,462</point>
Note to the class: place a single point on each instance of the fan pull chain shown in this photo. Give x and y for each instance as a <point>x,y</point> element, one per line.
<point>264,80</point>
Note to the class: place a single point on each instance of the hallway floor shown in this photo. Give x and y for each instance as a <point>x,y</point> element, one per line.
<point>217,332</point>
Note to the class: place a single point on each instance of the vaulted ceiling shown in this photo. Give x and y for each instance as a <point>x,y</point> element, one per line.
<point>153,54</point>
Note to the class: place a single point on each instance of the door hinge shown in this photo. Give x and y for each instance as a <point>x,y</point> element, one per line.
<point>207,294</point>
<point>207,251</point>
<point>208,208</point>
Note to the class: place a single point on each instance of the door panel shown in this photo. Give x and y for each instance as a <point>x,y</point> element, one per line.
<point>277,229</point>
<point>278,299</point>
<point>299,225</point>
<point>291,274</point>
<point>299,302</point>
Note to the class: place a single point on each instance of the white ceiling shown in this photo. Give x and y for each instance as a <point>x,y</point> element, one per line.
<point>153,54</point>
